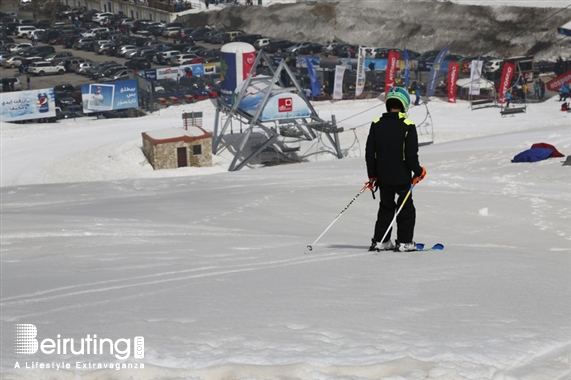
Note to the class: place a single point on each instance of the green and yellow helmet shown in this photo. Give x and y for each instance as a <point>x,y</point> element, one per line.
<point>399,93</point>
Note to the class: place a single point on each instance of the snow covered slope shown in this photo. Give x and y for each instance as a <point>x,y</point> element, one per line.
<point>211,269</point>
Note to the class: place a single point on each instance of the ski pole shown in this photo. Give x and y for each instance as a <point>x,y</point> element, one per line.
<point>397,213</point>
<point>367,186</point>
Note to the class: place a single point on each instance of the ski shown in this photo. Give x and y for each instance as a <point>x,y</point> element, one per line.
<point>435,247</point>
<point>420,247</point>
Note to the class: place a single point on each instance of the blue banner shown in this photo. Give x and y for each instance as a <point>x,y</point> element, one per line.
<point>431,84</point>
<point>110,96</point>
<point>27,105</point>
<point>406,68</point>
<point>380,63</point>
<point>315,85</point>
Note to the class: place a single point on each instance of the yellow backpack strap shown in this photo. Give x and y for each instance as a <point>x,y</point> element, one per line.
<point>377,120</point>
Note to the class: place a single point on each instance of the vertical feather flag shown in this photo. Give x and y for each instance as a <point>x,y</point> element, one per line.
<point>453,72</point>
<point>360,85</point>
<point>406,68</point>
<point>391,70</point>
<point>315,85</point>
<point>431,85</point>
<point>506,81</point>
<point>338,84</point>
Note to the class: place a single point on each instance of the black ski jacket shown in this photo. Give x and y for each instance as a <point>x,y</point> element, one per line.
<point>392,150</point>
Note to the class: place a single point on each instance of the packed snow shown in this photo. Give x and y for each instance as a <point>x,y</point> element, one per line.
<point>210,266</point>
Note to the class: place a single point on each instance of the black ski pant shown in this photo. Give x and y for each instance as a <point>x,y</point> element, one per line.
<point>387,209</point>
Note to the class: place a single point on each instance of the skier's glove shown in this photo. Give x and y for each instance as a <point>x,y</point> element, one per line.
<point>416,180</point>
<point>371,184</point>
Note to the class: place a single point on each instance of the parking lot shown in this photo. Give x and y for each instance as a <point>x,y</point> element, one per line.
<point>50,81</point>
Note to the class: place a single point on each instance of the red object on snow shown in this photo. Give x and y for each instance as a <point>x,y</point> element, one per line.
<point>555,152</point>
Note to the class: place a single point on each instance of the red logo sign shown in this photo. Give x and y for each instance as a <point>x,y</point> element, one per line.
<point>285,104</point>
<point>555,83</point>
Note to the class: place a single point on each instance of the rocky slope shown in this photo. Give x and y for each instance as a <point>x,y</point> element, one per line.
<point>420,26</point>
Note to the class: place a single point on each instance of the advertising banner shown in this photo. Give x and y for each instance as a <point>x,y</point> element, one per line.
<point>110,96</point>
<point>391,70</point>
<point>406,69</point>
<point>436,66</point>
<point>360,80</point>
<point>234,69</point>
<point>505,82</point>
<point>475,76</point>
<point>453,72</point>
<point>315,85</point>
<point>338,84</point>
<point>280,105</point>
<point>150,74</point>
<point>169,73</point>
<point>380,64</point>
<point>555,83</point>
<point>27,105</point>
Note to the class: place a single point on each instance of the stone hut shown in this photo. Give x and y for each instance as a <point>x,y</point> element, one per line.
<point>175,147</point>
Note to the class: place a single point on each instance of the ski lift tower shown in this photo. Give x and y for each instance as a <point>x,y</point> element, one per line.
<point>274,119</point>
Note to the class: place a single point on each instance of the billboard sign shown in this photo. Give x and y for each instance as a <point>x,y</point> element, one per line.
<point>27,105</point>
<point>110,96</point>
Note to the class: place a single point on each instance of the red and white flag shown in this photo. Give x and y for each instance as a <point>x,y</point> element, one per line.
<point>506,81</point>
<point>555,83</point>
<point>453,71</point>
<point>391,70</point>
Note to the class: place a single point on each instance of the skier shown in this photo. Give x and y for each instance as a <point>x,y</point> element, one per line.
<point>391,156</point>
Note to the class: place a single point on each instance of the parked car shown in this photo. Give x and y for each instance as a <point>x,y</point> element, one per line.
<point>11,83</point>
<point>492,65</point>
<point>111,71</point>
<point>145,53</point>
<point>63,99</point>
<point>294,49</point>
<point>38,50</point>
<point>94,32</point>
<point>43,68</point>
<point>20,48</point>
<point>13,61</point>
<point>171,31</point>
<point>261,43</point>
<point>59,55</point>
<point>100,16</point>
<point>124,49</point>
<point>193,49</point>
<point>74,64</point>
<point>278,46</point>
<point>23,31</point>
<point>65,87</point>
<point>119,75</point>
<point>84,68</point>
<point>179,59</point>
<point>312,48</point>
<point>68,62</point>
<point>82,42</point>
<point>165,57</point>
<point>138,63</point>
<point>104,48</point>
<point>248,38</point>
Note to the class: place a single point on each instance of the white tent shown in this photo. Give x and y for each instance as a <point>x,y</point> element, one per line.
<point>565,29</point>
<point>464,83</point>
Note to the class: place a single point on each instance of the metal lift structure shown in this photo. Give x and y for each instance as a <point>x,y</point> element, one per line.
<point>269,141</point>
